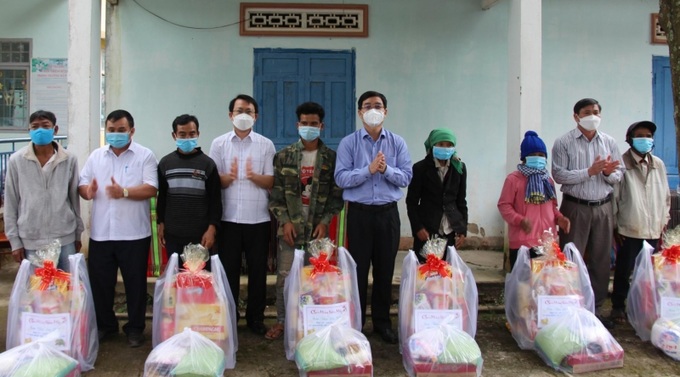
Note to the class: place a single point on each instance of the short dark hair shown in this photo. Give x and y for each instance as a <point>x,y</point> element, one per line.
<point>182,120</point>
<point>584,103</point>
<point>244,97</point>
<point>43,114</point>
<point>117,115</point>
<point>369,94</point>
<point>310,108</point>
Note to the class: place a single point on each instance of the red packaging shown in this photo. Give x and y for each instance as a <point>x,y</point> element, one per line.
<point>352,370</point>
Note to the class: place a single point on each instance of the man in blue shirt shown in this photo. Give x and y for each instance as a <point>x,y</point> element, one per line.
<point>372,166</point>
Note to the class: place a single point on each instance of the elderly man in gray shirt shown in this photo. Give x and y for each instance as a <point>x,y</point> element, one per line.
<point>587,163</point>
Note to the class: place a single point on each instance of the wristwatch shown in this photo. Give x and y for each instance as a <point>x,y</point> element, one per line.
<point>125,193</point>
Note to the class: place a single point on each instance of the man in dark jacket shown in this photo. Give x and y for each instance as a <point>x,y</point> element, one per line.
<point>435,201</point>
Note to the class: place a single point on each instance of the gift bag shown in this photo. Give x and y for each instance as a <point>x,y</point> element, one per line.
<point>666,336</point>
<point>435,290</point>
<point>196,299</point>
<point>444,350</point>
<point>38,358</point>
<point>45,299</point>
<point>642,301</point>
<point>187,353</point>
<point>538,290</point>
<point>337,349</point>
<point>577,342</point>
<point>320,293</point>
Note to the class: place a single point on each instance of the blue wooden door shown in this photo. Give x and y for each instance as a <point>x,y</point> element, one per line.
<point>664,138</point>
<point>285,78</point>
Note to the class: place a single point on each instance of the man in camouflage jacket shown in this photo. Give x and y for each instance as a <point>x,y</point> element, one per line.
<point>304,197</point>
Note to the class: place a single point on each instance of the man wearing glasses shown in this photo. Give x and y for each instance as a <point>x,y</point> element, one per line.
<point>372,166</point>
<point>244,161</point>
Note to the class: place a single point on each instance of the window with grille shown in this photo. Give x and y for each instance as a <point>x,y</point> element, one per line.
<point>15,65</point>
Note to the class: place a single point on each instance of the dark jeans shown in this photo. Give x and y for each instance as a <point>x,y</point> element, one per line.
<point>625,262</point>
<point>373,239</point>
<point>104,260</point>
<point>253,240</point>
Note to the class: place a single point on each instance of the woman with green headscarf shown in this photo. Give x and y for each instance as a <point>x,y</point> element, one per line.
<point>435,201</point>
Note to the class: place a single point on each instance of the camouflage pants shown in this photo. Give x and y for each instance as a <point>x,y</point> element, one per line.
<point>284,261</point>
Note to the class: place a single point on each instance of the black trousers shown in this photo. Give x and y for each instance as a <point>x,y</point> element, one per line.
<point>418,245</point>
<point>104,260</point>
<point>373,238</point>
<point>625,262</point>
<point>252,239</point>
<point>513,256</point>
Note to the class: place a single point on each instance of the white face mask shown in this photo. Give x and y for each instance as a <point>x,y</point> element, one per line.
<point>243,122</point>
<point>590,122</point>
<point>373,117</point>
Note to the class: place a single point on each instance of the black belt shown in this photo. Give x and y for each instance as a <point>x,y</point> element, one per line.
<point>589,203</point>
<point>373,208</point>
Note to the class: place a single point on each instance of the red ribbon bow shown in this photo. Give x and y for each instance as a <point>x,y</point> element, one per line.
<point>671,254</point>
<point>49,274</point>
<point>558,252</point>
<point>194,278</point>
<point>322,265</point>
<point>436,265</point>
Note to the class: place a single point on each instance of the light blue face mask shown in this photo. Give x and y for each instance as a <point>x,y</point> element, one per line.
<point>536,162</point>
<point>309,133</point>
<point>41,136</point>
<point>643,144</point>
<point>117,139</point>
<point>443,153</point>
<point>186,145</point>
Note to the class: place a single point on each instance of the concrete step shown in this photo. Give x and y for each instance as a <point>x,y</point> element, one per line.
<point>486,266</point>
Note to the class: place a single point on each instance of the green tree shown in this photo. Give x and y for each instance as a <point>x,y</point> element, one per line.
<point>669,18</point>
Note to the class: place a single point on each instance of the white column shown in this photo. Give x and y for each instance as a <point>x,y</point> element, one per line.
<point>84,83</point>
<point>524,79</point>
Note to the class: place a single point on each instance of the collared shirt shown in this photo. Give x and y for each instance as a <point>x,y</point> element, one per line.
<point>356,152</point>
<point>445,226</point>
<point>243,201</point>
<point>573,154</point>
<point>120,219</point>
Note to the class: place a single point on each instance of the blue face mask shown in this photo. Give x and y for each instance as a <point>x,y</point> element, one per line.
<point>117,139</point>
<point>443,153</point>
<point>643,144</point>
<point>536,162</point>
<point>309,133</point>
<point>42,136</point>
<point>186,145</point>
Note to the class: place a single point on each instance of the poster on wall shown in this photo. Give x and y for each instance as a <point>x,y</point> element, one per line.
<point>49,89</point>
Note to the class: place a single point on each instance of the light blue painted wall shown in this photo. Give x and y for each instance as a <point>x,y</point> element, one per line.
<point>43,21</point>
<point>441,63</point>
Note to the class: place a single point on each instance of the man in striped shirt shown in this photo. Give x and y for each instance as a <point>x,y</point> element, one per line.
<point>587,163</point>
<point>189,191</point>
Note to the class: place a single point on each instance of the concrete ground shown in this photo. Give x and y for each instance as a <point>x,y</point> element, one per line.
<point>260,357</point>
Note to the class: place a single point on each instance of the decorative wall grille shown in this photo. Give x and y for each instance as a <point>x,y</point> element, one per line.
<point>304,20</point>
<point>658,34</point>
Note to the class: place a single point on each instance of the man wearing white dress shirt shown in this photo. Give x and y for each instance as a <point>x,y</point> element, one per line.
<point>587,163</point>
<point>119,178</point>
<point>244,161</point>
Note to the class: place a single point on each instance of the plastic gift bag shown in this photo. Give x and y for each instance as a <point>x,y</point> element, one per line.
<point>38,358</point>
<point>666,336</point>
<point>444,350</point>
<point>320,293</point>
<point>577,342</point>
<point>197,299</point>
<point>642,301</point>
<point>436,290</point>
<point>45,299</point>
<point>188,353</point>
<point>538,290</point>
<point>336,349</point>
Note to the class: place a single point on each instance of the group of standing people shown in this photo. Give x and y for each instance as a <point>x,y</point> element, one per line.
<point>606,198</point>
<point>223,201</point>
